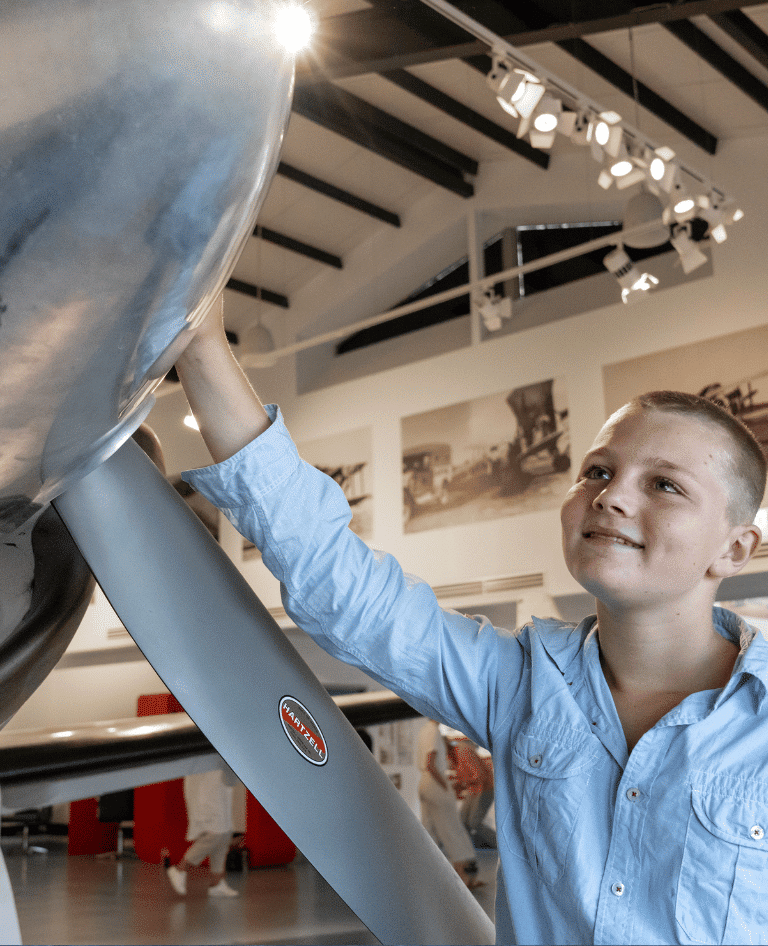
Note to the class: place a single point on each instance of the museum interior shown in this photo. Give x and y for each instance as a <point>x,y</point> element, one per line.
<point>453,426</point>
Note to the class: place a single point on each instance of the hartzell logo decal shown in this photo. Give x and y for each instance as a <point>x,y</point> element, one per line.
<point>303,731</point>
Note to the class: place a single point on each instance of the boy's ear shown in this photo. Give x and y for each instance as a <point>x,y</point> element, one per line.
<point>744,541</point>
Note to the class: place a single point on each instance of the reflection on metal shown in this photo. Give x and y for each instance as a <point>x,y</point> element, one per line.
<point>133,164</point>
<point>218,650</point>
<point>60,593</point>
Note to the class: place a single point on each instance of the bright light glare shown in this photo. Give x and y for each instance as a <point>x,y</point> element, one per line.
<point>190,421</point>
<point>602,133</point>
<point>645,282</point>
<point>665,153</point>
<point>508,107</point>
<point>293,27</point>
<point>545,122</point>
<point>657,169</point>
<point>684,205</point>
<point>737,215</point>
<point>719,233</point>
<point>620,168</point>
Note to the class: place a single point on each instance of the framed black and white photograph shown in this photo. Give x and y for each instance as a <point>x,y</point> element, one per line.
<point>500,455</point>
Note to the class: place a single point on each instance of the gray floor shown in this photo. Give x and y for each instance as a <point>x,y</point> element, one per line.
<point>89,900</point>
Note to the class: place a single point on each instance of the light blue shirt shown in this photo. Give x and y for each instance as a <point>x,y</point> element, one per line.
<point>666,845</point>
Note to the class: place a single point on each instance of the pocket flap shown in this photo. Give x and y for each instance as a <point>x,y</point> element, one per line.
<point>738,820</point>
<point>548,758</point>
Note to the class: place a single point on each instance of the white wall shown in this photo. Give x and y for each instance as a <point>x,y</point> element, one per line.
<point>574,349</point>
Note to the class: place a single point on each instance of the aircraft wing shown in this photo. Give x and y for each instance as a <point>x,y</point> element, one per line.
<point>40,767</point>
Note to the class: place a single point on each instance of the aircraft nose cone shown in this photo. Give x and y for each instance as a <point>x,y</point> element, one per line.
<point>133,166</point>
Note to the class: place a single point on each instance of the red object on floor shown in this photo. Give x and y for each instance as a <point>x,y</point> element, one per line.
<point>160,815</point>
<point>159,812</point>
<point>88,835</point>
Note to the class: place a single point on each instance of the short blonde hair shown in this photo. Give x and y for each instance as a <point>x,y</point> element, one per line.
<point>746,461</point>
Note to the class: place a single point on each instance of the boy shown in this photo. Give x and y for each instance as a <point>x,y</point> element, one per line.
<point>631,785</point>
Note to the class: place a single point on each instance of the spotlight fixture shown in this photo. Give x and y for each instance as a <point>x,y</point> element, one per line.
<point>547,114</point>
<point>543,123</point>
<point>684,209</point>
<point>547,105</point>
<point>581,132</point>
<point>498,79</point>
<point>633,283</point>
<point>527,95</point>
<point>665,173</point>
<point>517,91</point>
<point>690,255</point>
<point>493,309</point>
<point>602,133</point>
<point>718,212</point>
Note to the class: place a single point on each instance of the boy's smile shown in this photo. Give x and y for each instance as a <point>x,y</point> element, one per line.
<point>649,512</point>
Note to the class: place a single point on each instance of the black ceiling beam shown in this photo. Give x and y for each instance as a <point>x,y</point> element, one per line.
<point>296,246</point>
<point>257,292</point>
<point>623,80</point>
<point>551,33</point>
<point>390,125</point>
<point>746,33</point>
<point>698,41</point>
<point>337,194</point>
<point>499,19</point>
<point>539,15</point>
<point>391,146</point>
<point>459,111</point>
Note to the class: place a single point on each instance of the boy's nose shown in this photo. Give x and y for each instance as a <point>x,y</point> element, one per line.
<point>614,498</point>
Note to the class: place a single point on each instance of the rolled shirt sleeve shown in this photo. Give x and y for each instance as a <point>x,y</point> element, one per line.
<point>357,603</point>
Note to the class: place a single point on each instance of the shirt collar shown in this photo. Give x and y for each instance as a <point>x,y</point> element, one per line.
<point>564,642</point>
<point>753,653</point>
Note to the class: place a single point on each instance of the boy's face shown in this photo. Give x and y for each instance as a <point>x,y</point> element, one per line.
<point>649,511</point>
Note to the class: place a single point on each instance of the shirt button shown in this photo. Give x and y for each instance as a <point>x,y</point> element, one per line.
<point>535,760</point>
<point>617,890</point>
<point>756,832</point>
<point>633,794</point>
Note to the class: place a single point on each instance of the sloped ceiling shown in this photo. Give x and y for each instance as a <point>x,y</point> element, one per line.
<point>391,103</point>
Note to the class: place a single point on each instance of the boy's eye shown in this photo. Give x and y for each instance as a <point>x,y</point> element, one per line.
<point>666,486</point>
<point>595,473</point>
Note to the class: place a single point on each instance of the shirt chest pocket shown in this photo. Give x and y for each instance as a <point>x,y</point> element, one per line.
<point>722,894</point>
<point>551,780</point>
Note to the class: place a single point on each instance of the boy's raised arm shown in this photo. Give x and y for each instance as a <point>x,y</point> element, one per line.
<point>225,405</point>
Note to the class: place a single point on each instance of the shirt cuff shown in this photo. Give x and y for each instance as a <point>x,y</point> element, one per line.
<point>260,467</point>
